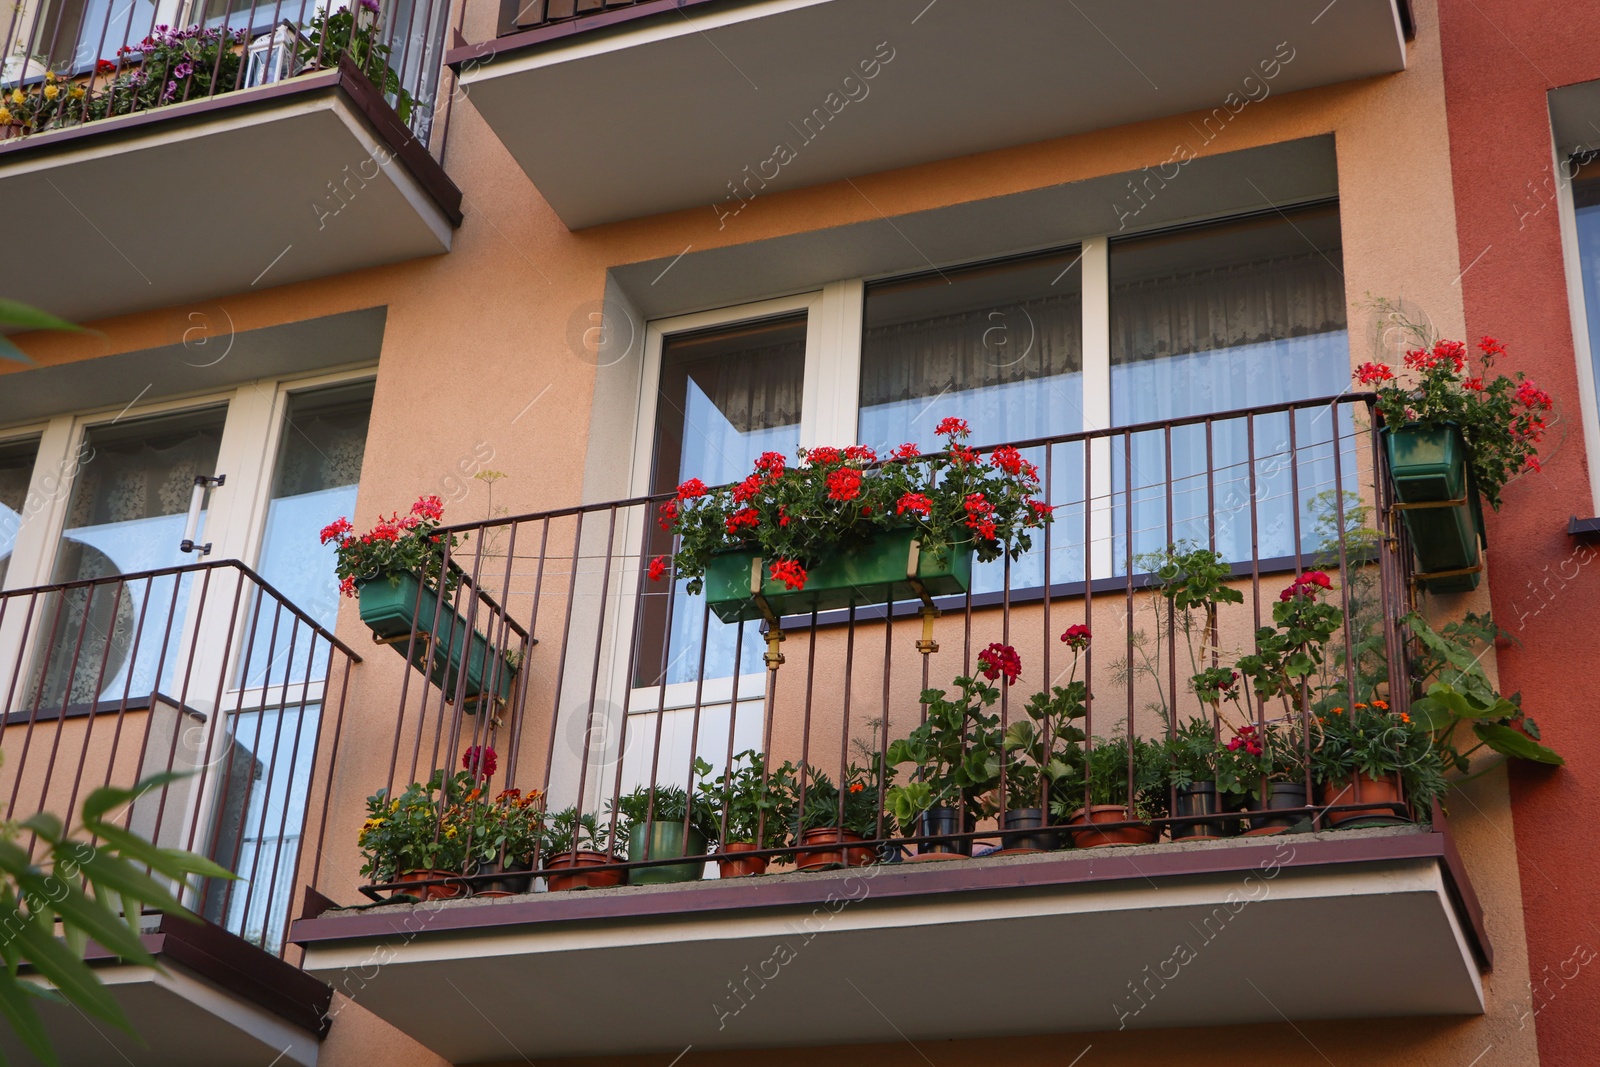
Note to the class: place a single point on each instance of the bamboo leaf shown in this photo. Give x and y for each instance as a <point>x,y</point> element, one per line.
<point>18,1012</point>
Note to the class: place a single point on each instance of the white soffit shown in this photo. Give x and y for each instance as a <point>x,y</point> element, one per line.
<point>668,114</point>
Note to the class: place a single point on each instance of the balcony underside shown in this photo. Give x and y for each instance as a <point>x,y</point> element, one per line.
<point>678,108</point>
<point>302,179</point>
<point>1360,924</point>
<point>221,1003</point>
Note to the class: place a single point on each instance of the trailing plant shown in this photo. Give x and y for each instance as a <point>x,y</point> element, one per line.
<point>397,545</point>
<point>956,748</point>
<point>671,804</point>
<point>1042,749</point>
<point>566,831</point>
<point>1502,418</point>
<point>837,499</point>
<point>756,802</point>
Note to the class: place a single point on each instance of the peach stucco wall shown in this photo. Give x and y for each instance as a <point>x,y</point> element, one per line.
<point>476,352</point>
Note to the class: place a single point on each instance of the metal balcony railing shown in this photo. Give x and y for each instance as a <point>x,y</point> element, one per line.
<point>615,683</point>
<point>68,62</point>
<point>519,15</point>
<point>204,669</point>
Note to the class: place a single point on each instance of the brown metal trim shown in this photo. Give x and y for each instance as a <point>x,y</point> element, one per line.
<point>1462,894</point>
<point>364,96</point>
<point>557,31</point>
<point>911,881</point>
<point>236,965</point>
<point>103,707</point>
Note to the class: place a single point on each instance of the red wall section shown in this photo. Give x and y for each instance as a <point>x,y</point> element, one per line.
<point>1500,58</point>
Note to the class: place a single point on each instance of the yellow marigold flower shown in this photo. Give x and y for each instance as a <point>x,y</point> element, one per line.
<point>1338,711</point>
<point>49,76</point>
<point>52,91</point>
<point>1360,706</point>
<point>17,97</point>
<point>1381,705</point>
<point>5,117</point>
<point>76,92</point>
<point>1404,717</point>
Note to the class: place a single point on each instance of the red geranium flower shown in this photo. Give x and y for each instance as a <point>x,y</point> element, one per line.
<point>692,488</point>
<point>999,659</point>
<point>863,453</point>
<point>844,484</point>
<point>337,528</point>
<point>347,586</point>
<point>104,66</point>
<point>479,759</point>
<point>668,514</point>
<point>907,451</point>
<point>952,427</point>
<point>428,507</point>
<point>771,464</point>
<point>658,568</point>
<point>747,489</point>
<point>823,455</point>
<point>1077,637</point>
<point>914,502</point>
<point>790,573</point>
<point>743,517</point>
<point>1007,459</point>
<point>1373,373</point>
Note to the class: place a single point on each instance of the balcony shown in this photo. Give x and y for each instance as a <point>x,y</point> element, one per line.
<point>613,686</point>
<point>617,111</point>
<point>270,157</point>
<point>205,669</point>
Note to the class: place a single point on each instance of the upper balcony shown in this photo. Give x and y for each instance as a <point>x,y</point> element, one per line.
<point>603,691</point>
<point>618,110</point>
<point>210,671</point>
<point>250,149</point>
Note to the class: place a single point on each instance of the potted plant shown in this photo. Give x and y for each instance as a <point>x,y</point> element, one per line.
<point>956,752</point>
<point>757,806</point>
<point>398,574</point>
<point>842,528</point>
<point>1043,752</point>
<point>826,814</point>
<point>667,822</point>
<point>572,844</point>
<point>1453,433</point>
<point>1103,795</point>
<point>410,839</point>
<point>505,841</point>
<point>1367,754</point>
<point>1192,759</point>
<point>1262,768</point>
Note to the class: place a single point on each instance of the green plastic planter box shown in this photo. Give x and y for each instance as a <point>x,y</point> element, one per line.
<point>1430,466</point>
<point>386,607</point>
<point>876,573</point>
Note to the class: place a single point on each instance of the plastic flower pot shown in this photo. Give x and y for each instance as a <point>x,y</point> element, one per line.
<point>448,890</point>
<point>1199,798</point>
<point>1284,795</point>
<point>1385,790</point>
<point>518,878</point>
<point>665,840</point>
<point>579,877</point>
<point>1018,820</point>
<point>1429,468</point>
<point>938,824</point>
<point>878,572</point>
<point>387,606</point>
<point>831,859</point>
<point>732,865</point>
<point>1094,837</point>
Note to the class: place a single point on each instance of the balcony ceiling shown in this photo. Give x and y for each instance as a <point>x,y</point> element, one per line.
<point>1355,925</point>
<point>220,1003</point>
<point>218,197</point>
<point>662,113</point>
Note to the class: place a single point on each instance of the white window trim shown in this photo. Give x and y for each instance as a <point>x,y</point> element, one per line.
<point>1577,308</point>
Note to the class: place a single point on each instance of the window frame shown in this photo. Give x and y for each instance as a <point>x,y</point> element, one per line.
<point>1568,169</point>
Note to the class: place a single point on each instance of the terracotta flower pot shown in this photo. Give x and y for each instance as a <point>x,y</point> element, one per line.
<point>445,891</point>
<point>1385,790</point>
<point>732,866</point>
<point>576,862</point>
<point>830,859</point>
<point>1142,834</point>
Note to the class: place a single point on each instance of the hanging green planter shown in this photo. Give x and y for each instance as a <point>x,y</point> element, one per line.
<point>890,567</point>
<point>387,605</point>
<point>1440,505</point>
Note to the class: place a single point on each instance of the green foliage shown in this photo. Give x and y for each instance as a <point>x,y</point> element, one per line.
<point>1107,766</point>
<point>397,545</point>
<point>566,831</point>
<point>342,32</point>
<point>1291,652</point>
<point>837,499</point>
<point>757,802</point>
<point>672,804</point>
<point>956,752</point>
<point>820,807</point>
<point>1366,738</point>
<point>1192,753</point>
<point>421,829</point>
<point>95,882</point>
<point>1257,754</point>
<point>16,315</point>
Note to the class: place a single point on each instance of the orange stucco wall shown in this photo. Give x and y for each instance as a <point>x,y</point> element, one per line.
<point>474,337</point>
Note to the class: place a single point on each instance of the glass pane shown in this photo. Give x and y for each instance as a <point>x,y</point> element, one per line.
<point>1214,320</point>
<point>130,502</point>
<point>1586,200</point>
<point>727,395</point>
<point>16,471</point>
<point>1000,345</point>
<point>314,482</point>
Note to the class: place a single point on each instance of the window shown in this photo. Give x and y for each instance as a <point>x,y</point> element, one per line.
<point>1586,212</point>
<point>16,471</point>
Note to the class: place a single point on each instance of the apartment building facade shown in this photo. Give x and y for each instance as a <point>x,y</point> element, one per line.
<point>547,262</point>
